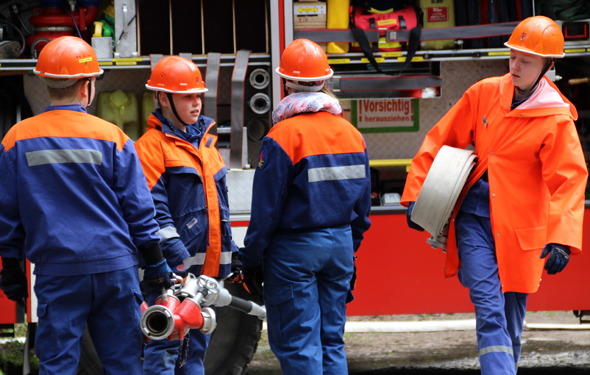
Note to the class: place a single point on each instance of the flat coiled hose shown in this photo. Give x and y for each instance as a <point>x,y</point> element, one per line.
<point>440,192</point>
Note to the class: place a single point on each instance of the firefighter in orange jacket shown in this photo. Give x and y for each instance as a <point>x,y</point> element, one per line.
<point>523,203</point>
<point>186,177</point>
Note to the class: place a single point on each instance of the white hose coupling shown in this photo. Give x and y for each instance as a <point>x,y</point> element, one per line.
<point>209,320</point>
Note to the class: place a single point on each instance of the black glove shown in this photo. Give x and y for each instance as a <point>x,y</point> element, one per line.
<point>236,263</point>
<point>560,255</point>
<point>158,275</point>
<point>253,280</point>
<point>156,270</point>
<point>411,224</point>
<point>236,275</point>
<point>13,281</point>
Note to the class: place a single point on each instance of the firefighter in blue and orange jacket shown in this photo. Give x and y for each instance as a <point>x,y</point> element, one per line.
<point>186,176</point>
<point>72,185</point>
<point>310,209</point>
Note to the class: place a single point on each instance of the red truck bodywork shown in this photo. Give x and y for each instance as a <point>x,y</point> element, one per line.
<point>398,273</point>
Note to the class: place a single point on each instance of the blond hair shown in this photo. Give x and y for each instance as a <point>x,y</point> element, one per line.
<point>329,92</point>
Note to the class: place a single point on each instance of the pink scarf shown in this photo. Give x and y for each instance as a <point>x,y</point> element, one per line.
<point>305,102</point>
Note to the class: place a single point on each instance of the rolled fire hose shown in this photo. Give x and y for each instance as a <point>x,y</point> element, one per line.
<point>440,192</point>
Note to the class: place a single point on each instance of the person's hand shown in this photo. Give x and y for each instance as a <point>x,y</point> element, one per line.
<point>353,280</point>
<point>158,275</point>
<point>13,281</point>
<point>411,224</point>
<point>180,270</point>
<point>559,256</point>
<point>236,263</point>
<point>253,280</point>
<point>349,295</point>
<point>236,274</point>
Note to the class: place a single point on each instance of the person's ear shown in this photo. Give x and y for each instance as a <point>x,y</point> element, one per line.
<point>83,90</point>
<point>163,98</point>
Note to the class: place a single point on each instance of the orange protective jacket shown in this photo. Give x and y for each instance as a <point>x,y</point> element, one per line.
<point>536,171</point>
<point>189,191</point>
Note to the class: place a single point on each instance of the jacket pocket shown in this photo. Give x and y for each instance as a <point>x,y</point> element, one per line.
<point>138,296</point>
<point>532,238</point>
<point>224,217</point>
<point>191,226</point>
<point>281,311</point>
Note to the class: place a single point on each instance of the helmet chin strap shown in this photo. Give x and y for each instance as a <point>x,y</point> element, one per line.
<point>169,95</point>
<point>525,93</point>
<point>89,92</point>
<point>545,69</point>
<point>302,88</point>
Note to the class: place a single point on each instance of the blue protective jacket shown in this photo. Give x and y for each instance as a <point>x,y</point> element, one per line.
<point>313,172</point>
<point>186,177</point>
<point>72,186</point>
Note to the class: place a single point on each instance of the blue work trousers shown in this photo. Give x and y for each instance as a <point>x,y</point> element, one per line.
<point>306,280</point>
<point>109,302</point>
<point>499,316</point>
<point>163,357</point>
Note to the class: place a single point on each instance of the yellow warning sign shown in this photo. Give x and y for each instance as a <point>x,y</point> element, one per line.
<point>392,21</point>
<point>377,59</point>
<point>339,61</point>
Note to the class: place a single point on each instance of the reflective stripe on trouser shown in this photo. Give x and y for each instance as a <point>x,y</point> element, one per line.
<point>109,302</point>
<point>306,280</point>
<point>161,356</point>
<point>500,316</point>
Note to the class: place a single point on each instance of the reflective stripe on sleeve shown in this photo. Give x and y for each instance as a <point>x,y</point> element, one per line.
<point>167,233</point>
<point>348,172</point>
<point>199,259</point>
<point>79,156</point>
<point>496,349</point>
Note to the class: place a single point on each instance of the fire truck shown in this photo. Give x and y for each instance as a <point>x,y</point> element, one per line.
<point>393,95</point>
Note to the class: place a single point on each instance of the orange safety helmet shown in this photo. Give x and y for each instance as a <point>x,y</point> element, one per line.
<point>176,75</point>
<point>539,36</point>
<point>304,60</point>
<point>65,60</point>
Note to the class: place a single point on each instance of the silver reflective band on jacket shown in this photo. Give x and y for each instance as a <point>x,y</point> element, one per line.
<point>79,156</point>
<point>199,259</point>
<point>348,172</point>
<point>167,233</point>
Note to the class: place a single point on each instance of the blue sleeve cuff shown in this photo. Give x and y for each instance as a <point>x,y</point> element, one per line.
<point>247,259</point>
<point>174,252</point>
<point>356,244</point>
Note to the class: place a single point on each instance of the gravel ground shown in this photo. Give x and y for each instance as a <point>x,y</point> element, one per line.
<point>451,352</point>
